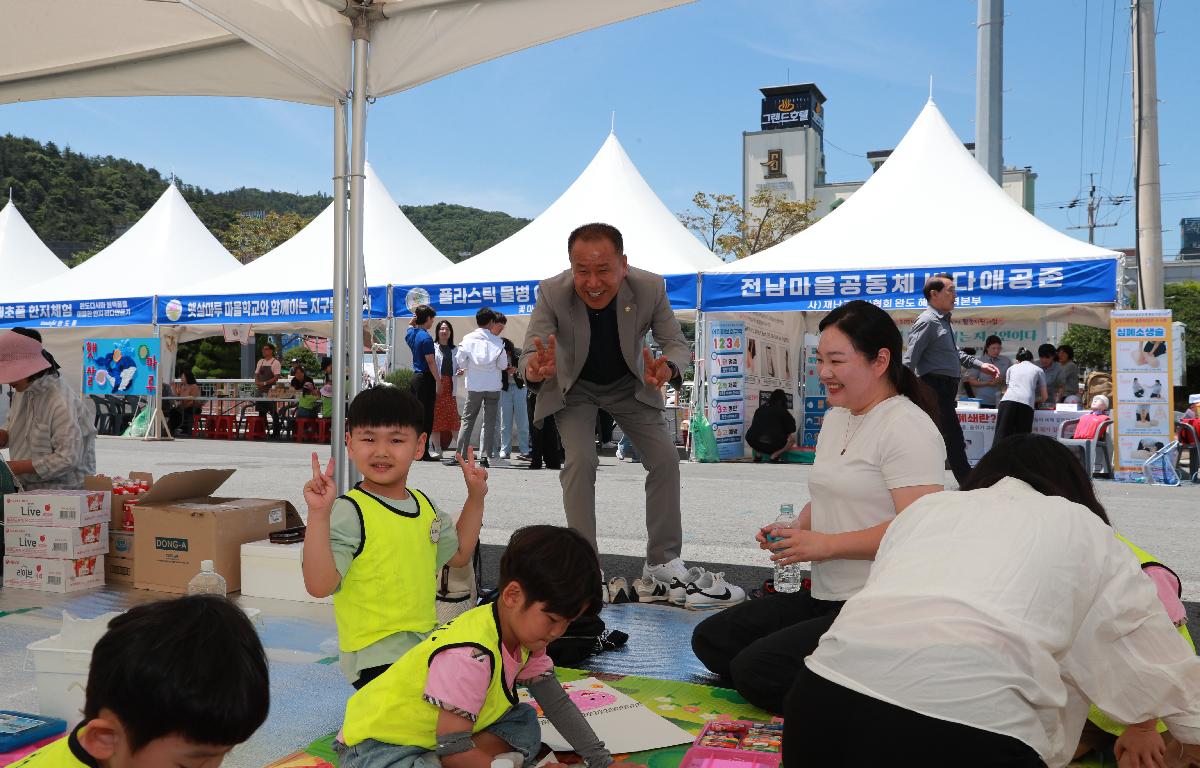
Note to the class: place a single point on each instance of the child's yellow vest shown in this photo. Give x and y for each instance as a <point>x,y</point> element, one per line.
<point>64,753</point>
<point>390,587</point>
<point>391,708</point>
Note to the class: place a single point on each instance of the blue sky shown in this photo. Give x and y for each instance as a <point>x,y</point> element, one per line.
<point>512,134</point>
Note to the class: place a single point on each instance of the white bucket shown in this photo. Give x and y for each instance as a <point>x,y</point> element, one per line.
<point>61,663</point>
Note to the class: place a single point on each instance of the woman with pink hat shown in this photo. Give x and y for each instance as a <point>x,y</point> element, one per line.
<point>44,440</point>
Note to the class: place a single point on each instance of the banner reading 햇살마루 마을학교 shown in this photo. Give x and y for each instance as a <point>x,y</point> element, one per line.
<point>1142,404</point>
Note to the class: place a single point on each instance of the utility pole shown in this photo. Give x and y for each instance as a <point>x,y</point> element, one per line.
<point>989,89</point>
<point>1145,141</point>
<point>1093,206</point>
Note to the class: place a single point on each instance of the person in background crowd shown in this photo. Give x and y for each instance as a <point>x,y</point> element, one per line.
<point>545,449</point>
<point>445,408</point>
<point>327,387</point>
<point>878,452</point>
<point>481,355</point>
<point>85,409</point>
<point>1069,375</point>
<point>1048,360</point>
<point>964,382</point>
<point>181,416</point>
<point>267,371</point>
<point>46,445</point>
<point>773,429</point>
<point>1025,386</point>
<point>423,384</point>
<point>987,388</point>
<point>307,396</point>
<point>934,356</point>
<point>513,410</point>
<point>992,617</point>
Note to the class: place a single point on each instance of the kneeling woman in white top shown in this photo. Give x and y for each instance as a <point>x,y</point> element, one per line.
<point>992,617</point>
<point>878,451</point>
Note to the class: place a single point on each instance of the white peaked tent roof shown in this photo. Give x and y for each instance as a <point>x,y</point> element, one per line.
<point>610,190</point>
<point>296,50</point>
<point>166,252</point>
<point>931,204</point>
<point>24,258</point>
<point>393,249</point>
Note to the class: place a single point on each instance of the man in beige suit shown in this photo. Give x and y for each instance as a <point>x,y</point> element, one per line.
<point>585,349</point>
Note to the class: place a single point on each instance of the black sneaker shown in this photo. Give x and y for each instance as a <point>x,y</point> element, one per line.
<point>483,462</point>
<point>451,462</point>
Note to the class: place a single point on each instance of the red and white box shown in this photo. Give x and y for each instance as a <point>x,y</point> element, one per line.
<point>58,543</point>
<point>57,509</point>
<point>53,575</point>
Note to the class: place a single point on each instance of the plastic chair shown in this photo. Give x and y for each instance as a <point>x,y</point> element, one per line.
<point>255,427</point>
<point>307,430</point>
<point>202,424</point>
<point>324,430</point>
<point>223,427</point>
<point>1186,434</point>
<point>105,422</point>
<point>1089,447</point>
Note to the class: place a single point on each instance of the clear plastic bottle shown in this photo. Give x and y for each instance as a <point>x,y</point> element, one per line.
<point>207,582</point>
<point>787,577</point>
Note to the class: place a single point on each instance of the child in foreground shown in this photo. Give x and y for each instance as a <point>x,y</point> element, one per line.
<point>378,549</point>
<point>174,683</point>
<point>452,700</point>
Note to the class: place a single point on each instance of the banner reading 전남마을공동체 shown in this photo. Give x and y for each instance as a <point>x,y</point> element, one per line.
<point>1142,405</point>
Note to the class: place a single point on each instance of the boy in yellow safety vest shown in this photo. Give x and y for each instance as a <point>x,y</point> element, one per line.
<point>378,548</point>
<point>452,701</point>
<point>177,682</point>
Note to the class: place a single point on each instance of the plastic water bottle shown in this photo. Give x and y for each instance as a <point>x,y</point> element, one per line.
<point>207,582</point>
<point>787,577</point>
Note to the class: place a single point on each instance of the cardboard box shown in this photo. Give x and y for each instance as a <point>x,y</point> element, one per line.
<point>57,543</point>
<point>105,483</point>
<point>53,575</point>
<point>179,524</point>
<point>58,509</point>
<point>118,565</point>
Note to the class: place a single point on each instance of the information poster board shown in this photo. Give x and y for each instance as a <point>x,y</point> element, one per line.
<point>120,366</point>
<point>726,385</point>
<point>1142,407</point>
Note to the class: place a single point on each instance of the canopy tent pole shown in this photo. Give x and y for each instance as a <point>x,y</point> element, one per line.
<point>337,350</point>
<point>355,280</point>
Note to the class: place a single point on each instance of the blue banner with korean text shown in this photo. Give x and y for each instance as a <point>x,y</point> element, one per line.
<point>77,314</point>
<point>511,297</point>
<point>1001,285</point>
<point>261,308</point>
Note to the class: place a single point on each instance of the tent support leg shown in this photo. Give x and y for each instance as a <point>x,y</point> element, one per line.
<point>337,449</point>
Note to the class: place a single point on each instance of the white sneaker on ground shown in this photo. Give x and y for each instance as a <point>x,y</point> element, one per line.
<point>677,589</point>
<point>665,572</point>
<point>650,591</point>
<point>619,591</point>
<point>620,452</point>
<point>712,591</point>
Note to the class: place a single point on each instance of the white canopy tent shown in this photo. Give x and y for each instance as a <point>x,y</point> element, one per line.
<point>24,258</point>
<point>610,190</point>
<point>930,208</point>
<point>312,51</point>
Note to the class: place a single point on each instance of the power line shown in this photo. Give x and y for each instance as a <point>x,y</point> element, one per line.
<point>843,151</point>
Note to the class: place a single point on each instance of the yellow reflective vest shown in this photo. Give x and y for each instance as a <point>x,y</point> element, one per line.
<point>392,708</point>
<point>67,752</point>
<point>390,586</point>
<point>1097,717</point>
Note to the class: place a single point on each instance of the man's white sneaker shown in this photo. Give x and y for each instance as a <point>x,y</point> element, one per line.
<point>665,572</point>
<point>677,590</point>
<point>650,591</point>
<point>712,591</point>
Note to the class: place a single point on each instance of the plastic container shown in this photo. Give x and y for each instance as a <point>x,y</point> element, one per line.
<point>207,582</point>
<point>700,756</point>
<point>787,577</point>
<point>61,663</point>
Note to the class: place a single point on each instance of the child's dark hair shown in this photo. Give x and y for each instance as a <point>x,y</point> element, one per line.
<point>1043,463</point>
<point>554,565</point>
<point>192,667</point>
<point>385,406</point>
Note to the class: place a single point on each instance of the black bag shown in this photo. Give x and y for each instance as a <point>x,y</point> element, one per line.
<point>585,637</point>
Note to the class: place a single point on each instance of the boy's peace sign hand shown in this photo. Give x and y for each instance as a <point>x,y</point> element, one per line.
<point>657,371</point>
<point>321,491</point>
<point>542,364</point>
<point>474,475</point>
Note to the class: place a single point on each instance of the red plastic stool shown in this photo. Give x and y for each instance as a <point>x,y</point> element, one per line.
<point>255,427</point>
<point>202,425</point>
<point>307,430</point>
<point>324,430</point>
<point>222,427</point>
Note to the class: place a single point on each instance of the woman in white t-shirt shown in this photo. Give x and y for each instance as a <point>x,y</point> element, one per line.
<point>1026,386</point>
<point>879,450</point>
<point>992,617</point>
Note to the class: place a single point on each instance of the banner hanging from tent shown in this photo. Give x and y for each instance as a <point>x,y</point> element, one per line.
<point>261,308</point>
<point>1001,285</point>
<point>511,298</point>
<point>120,366</point>
<point>73,314</point>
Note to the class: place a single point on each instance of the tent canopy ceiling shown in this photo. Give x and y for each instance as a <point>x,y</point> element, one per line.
<point>24,258</point>
<point>930,205</point>
<point>167,251</point>
<point>610,190</point>
<point>393,249</point>
<point>294,50</point>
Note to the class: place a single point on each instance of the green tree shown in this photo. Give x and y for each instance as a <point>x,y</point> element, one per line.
<point>305,356</point>
<point>1091,346</point>
<point>733,232</point>
<point>460,232</point>
<point>249,237</point>
<point>218,359</point>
